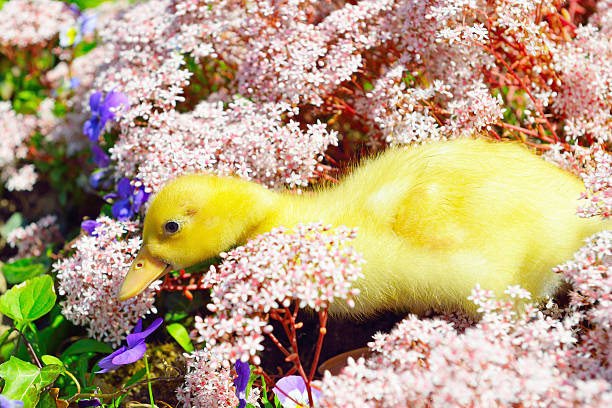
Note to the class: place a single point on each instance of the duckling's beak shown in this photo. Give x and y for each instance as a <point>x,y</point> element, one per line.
<point>144,270</point>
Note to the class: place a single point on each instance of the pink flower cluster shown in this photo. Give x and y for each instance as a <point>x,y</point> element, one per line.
<point>16,130</point>
<point>590,274</point>
<point>90,279</point>
<point>509,358</point>
<point>32,239</point>
<point>312,265</point>
<point>208,387</point>
<point>584,67</point>
<point>594,166</point>
<point>246,139</point>
<point>26,23</point>
<point>254,141</point>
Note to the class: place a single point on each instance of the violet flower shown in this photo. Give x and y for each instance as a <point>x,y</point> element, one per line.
<point>84,403</point>
<point>7,403</point>
<point>73,35</point>
<point>131,353</point>
<point>89,226</point>
<point>241,381</point>
<point>100,178</point>
<point>294,386</point>
<point>130,199</point>
<point>100,158</point>
<point>102,111</point>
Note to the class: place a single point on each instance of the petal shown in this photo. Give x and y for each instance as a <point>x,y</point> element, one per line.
<point>135,338</point>
<point>95,178</point>
<point>124,188</point>
<point>140,197</point>
<point>89,226</point>
<point>138,327</point>
<point>94,101</point>
<point>289,384</point>
<point>100,158</point>
<point>122,210</point>
<point>242,380</point>
<point>74,82</point>
<point>94,402</point>
<point>131,355</point>
<point>113,100</point>
<point>106,364</point>
<point>91,128</point>
<point>88,23</point>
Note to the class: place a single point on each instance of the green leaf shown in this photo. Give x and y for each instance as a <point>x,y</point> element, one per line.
<point>86,346</point>
<point>264,394</point>
<point>29,301</point>
<point>24,381</point>
<point>14,221</point>
<point>49,359</point>
<point>367,86</point>
<point>46,401</point>
<point>180,334</point>
<point>22,270</point>
<point>49,373</point>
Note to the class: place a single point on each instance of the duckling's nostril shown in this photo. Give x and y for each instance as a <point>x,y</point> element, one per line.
<point>139,265</point>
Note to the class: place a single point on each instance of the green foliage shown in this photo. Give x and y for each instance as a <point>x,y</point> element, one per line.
<point>47,359</point>
<point>24,381</point>
<point>86,346</point>
<point>23,269</point>
<point>264,394</point>
<point>180,334</point>
<point>87,4</point>
<point>28,302</point>
<point>14,221</point>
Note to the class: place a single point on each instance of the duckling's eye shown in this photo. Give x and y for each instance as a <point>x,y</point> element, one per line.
<point>171,227</point>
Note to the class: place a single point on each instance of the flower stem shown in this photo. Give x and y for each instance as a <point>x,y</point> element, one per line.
<point>146,361</point>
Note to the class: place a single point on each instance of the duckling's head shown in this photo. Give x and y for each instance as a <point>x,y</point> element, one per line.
<point>192,218</point>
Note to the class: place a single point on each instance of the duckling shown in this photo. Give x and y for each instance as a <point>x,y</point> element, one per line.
<point>433,221</point>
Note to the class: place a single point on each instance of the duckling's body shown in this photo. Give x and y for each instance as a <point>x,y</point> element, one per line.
<point>433,221</point>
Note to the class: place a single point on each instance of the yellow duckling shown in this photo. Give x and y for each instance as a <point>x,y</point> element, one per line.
<point>433,221</point>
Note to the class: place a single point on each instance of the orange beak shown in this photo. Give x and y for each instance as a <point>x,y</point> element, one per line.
<point>144,270</point>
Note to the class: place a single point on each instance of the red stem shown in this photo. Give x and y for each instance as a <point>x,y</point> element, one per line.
<point>322,332</point>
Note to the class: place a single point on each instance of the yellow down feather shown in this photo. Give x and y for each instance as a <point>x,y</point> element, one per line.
<point>433,221</point>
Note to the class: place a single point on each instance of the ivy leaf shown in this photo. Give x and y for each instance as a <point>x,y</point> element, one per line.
<point>50,360</point>
<point>28,302</point>
<point>24,381</point>
<point>22,270</point>
<point>86,346</point>
<point>180,334</point>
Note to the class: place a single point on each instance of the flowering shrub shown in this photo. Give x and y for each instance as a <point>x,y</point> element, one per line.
<point>505,359</point>
<point>311,263</point>
<point>210,385</point>
<point>31,240</point>
<point>15,130</point>
<point>101,104</point>
<point>90,278</point>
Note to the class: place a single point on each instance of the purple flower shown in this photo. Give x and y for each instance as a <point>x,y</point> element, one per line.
<point>94,402</point>
<point>131,353</point>
<point>89,226</point>
<point>131,198</point>
<point>73,35</point>
<point>7,403</point>
<point>293,388</point>
<point>102,111</point>
<point>241,381</point>
<point>97,177</point>
<point>99,156</point>
<point>74,82</point>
